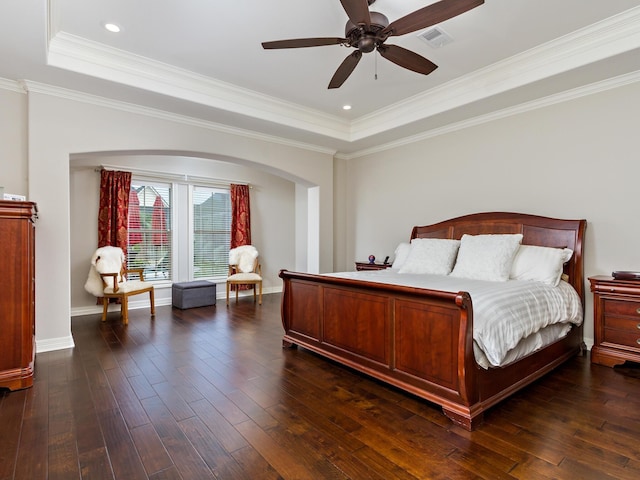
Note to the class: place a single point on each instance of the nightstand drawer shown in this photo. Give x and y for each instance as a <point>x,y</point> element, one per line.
<point>629,325</point>
<point>621,307</point>
<point>627,338</point>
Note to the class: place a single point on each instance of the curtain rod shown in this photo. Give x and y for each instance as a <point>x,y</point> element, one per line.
<point>175,176</point>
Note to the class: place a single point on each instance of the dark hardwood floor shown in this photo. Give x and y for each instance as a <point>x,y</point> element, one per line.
<point>209,393</point>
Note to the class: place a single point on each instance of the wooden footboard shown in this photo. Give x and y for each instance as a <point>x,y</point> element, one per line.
<point>415,339</point>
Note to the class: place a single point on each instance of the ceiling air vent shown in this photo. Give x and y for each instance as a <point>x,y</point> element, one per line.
<point>436,37</point>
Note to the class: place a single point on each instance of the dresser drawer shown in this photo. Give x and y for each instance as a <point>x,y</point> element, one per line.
<point>621,307</point>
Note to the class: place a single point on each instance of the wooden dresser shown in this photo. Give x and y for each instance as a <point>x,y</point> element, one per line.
<point>616,313</point>
<point>17,295</point>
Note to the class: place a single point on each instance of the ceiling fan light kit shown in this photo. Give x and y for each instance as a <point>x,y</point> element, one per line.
<point>368,31</point>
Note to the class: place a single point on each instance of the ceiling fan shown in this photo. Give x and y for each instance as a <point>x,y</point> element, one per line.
<point>368,31</point>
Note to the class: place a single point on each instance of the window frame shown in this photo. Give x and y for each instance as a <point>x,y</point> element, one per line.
<point>182,225</point>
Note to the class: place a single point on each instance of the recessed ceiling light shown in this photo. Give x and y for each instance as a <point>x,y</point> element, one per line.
<point>346,107</point>
<point>112,27</point>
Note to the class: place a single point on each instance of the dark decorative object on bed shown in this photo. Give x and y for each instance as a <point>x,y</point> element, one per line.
<point>421,340</point>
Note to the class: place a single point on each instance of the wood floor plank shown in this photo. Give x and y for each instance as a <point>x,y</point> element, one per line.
<point>62,457</point>
<point>186,459</point>
<point>328,440</point>
<point>141,387</point>
<point>32,458</point>
<point>95,465</point>
<point>254,465</point>
<point>125,461</point>
<point>173,401</point>
<point>170,473</point>
<point>226,434</point>
<point>286,464</point>
<point>12,409</point>
<point>198,377</point>
<point>128,402</point>
<point>221,463</point>
<point>151,450</point>
<point>254,411</point>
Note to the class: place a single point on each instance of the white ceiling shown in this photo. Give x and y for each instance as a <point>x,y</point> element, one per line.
<point>203,59</point>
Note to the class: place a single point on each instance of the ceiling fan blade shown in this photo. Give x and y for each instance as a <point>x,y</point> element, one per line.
<point>303,42</point>
<point>430,15</point>
<point>345,69</point>
<point>407,59</point>
<point>357,11</point>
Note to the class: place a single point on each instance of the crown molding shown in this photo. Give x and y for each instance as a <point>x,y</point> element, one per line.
<point>35,87</point>
<point>76,54</point>
<point>12,85</point>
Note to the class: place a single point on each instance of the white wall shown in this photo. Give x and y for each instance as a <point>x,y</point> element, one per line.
<point>13,141</point>
<point>61,126</point>
<point>578,159</point>
<point>272,212</point>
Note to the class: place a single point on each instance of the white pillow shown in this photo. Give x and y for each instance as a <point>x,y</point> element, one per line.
<point>401,254</point>
<point>431,255</point>
<point>486,257</point>
<point>542,264</point>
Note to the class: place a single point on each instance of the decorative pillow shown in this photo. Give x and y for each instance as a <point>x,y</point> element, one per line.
<point>431,255</point>
<point>542,264</point>
<point>401,254</point>
<point>486,257</point>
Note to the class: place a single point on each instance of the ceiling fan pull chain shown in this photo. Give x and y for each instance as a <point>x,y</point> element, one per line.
<point>375,56</point>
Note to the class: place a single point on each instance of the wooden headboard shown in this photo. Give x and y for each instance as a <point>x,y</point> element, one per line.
<point>536,230</point>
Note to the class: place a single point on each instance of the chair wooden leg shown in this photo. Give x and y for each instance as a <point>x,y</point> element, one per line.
<point>124,311</point>
<point>237,289</point>
<point>254,292</point>
<point>260,301</point>
<point>227,294</point>
<point>105,307</point>
<point>153,302</point>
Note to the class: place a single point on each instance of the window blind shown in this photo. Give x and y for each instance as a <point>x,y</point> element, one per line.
<point>211,231</point>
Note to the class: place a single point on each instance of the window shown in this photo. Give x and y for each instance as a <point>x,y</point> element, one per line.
<point>211,231</point>
<point>149,245</point>
<point>195,219</point>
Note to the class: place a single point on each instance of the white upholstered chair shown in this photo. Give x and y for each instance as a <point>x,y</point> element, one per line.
<point>108,279</point>
<point>244,269</point>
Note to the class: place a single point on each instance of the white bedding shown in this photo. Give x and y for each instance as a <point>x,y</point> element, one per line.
<point>510,319</point>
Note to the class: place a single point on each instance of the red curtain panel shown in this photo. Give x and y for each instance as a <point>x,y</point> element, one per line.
<point>240,216</point>
<point>240,220</point>
<point>113,214</point>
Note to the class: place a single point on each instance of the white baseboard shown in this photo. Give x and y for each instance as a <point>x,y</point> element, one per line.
<point>52,344</point>
<point>588,342</point>
<point>133,305</point>
<point>159,301</point>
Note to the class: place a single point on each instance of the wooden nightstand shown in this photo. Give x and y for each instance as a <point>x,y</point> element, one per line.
<point>372,266</point>
<point>616,315</point>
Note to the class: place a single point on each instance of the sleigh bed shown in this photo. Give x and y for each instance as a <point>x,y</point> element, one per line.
<point>421,340</point>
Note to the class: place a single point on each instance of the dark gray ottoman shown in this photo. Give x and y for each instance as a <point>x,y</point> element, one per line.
<point>199,293</point>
